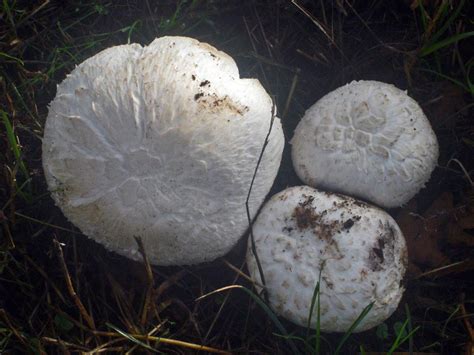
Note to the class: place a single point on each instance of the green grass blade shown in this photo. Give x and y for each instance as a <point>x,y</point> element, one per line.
<point>445,26</point>
<point>400,339</point>
<point>424,16</point>
<point>455,81</point>
<point>311,308</point>
<point>318,323</point>
<point>6,9</point>
<point>15,59</point>
<point>410,328</point>
<point>131,338</point>
<point>315,300</point>
<point>359,319</point>
<point>265,308</point>
<point>13,143</point>
<point>286,337</point>
<point>470,64</point>
<point>428,49</point>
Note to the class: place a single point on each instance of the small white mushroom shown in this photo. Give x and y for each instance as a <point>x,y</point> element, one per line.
<point>358,248</point>
<point>366,139</point>
<point>160,142</point>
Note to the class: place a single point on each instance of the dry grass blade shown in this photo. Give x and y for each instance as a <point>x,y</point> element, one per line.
<point>70,287</point>
<point>469,328</point>
<point>315,21</point>
<point>247,209</point>
<point>468,177</point>
<point>167,341</point>
<point>52,295</point>
<point>148,302</point>
<point>170,280</point>
<point>254,47</point>
<point>45,223</point>
<point>104,347</point>
<point>460,266</point>
<point>262,305</point>
<point>241,273</point>
<point>16,332</point>
<point>6,228</point>
<point>221,307</point>
<point>127,314</point>
<point>290,94</point>
<point>64,344</point>
<point>46,277</point>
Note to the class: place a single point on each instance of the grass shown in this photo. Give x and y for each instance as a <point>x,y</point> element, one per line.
<point>437,36</point>
<point>60,292</point>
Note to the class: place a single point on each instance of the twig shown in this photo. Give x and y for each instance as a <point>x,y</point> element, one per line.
<point>70,287</point>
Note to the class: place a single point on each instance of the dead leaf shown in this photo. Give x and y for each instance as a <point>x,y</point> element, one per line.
<point>461,221</point>
<point>443,110</point>
<point>440,225</point>
<point>424,234</point>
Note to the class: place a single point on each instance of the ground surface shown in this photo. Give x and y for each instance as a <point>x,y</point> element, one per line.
<point>61,292</point>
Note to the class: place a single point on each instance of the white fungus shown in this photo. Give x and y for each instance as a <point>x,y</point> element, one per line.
<point>359,250</point>
<point>366,139</point>
<point>160,142</point>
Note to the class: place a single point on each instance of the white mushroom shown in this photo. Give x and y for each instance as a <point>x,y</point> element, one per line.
<point>358,248</point>
<point>367,139</point>
<point>160,142</point>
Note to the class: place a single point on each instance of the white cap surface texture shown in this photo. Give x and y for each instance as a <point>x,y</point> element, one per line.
<point>160,142</point>
<point>366,139</point>
<point>359,248</point>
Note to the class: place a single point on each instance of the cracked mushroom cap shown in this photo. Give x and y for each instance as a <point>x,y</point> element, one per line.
<point>360,249</point>
<point>160,142</point>
<point>366,139</point>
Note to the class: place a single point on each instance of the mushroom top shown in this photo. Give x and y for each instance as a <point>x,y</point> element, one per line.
<point>160,142</point>
<point>367,139</point>
<point>358,249</point>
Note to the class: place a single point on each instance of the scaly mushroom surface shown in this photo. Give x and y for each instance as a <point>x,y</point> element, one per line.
<point>366,139</point>
<point>160,142</point>
<point>357,248</point>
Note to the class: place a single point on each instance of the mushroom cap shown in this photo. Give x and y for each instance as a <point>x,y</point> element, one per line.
<point>366,139</point>
<point>359,250</point>
<point>160,142</point>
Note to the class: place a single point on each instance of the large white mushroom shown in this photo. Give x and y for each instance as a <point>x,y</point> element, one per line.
<point>366,139</point>
<point>160,142</point>
<point>359,250</point>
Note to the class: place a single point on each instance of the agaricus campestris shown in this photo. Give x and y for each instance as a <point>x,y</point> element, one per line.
<point>366,139</point>
<point>358,249</point>
<point>160,142</point>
